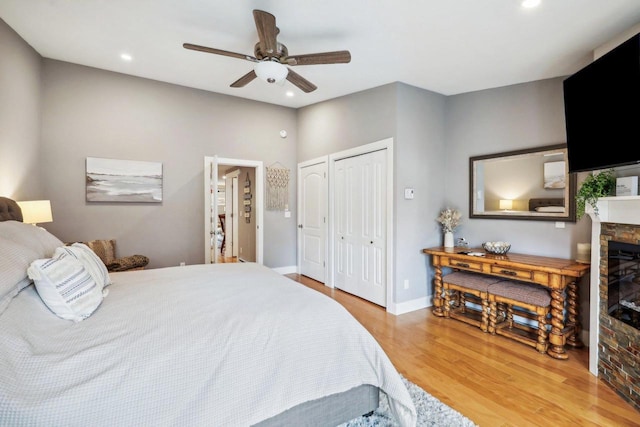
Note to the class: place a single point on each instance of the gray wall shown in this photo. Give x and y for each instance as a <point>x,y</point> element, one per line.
<point>94,113</point>
<point>20,90</point>
<point>504,119</point>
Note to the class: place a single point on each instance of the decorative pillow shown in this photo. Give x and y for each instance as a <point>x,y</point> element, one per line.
<point>66,287</point>
<point>20,245</point>
<point>91,262</point>
<point>105,249</point>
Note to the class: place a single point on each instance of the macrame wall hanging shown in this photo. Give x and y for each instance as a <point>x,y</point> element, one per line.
<point>277,187</point>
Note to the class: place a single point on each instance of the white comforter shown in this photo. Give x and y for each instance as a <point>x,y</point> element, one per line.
<point>222,345</point>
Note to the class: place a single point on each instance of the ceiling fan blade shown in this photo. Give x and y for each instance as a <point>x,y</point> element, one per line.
<point>267,32</point>
<point>247,78</point>
<point>337,57</point>
<point>219,52</point>
<point>304,84</point>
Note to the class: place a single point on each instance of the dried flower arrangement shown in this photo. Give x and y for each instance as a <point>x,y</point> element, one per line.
<point>449,219</point>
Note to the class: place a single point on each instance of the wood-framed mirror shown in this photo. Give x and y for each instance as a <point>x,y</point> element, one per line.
<point>532,184</point>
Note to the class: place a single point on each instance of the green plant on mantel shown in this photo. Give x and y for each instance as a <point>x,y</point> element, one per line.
<point>594,186</point>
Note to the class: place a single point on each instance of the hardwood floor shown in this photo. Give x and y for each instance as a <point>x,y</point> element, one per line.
<point>490,379</point>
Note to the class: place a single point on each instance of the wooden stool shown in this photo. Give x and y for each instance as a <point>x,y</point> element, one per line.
<point>525,300</point>
<point>467,287</point>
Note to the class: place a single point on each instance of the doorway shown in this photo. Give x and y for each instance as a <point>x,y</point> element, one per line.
<point>247,205</point>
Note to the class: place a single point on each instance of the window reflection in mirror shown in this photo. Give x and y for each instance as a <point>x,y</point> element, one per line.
<point>523,184</point>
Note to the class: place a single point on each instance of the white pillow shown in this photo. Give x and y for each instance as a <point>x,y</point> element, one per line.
<point>21,244</point>
<point>557,209</point>
<point>92,262</point>
<point>66,287</point>
<point>31,236</point>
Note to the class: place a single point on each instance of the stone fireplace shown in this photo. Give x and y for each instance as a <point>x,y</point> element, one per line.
<point>614,341</point>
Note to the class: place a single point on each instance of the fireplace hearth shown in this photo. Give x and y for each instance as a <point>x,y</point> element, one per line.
<point>614,343</point>
<point>619,337</point>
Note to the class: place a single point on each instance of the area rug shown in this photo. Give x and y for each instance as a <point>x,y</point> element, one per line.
<point>431,412</point>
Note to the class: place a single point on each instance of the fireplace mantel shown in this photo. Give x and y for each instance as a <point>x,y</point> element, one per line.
<point>618,210</point>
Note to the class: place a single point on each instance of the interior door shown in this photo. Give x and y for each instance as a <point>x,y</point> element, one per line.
<point>228,217</point>
<point>360,226</point>
<point>312,222</point>
<point>235,217</point>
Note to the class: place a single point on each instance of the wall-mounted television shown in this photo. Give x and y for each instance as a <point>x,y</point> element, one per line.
<point>602,110</point>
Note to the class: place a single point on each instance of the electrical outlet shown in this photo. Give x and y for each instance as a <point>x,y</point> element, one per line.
<point>406,283</point>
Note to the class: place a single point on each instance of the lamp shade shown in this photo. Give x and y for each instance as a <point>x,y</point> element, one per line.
<point>36,211</point>
<point>271,71</point>
<point>506,204</point>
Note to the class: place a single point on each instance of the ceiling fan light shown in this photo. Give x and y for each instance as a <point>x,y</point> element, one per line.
<point>271,71</point>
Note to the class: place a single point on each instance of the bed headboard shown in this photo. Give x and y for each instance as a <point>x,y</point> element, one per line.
<point>9,210</point>
<point>545,202</point>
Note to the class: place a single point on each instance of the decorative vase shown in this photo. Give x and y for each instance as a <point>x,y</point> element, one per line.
<point>448,239</point>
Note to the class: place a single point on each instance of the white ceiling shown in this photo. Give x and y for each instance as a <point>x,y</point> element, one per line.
<point>446,46</point>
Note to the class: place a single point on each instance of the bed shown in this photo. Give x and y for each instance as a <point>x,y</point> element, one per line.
<point>216,344</point>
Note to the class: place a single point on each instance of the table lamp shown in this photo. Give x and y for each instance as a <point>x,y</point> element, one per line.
<point>36,211</point>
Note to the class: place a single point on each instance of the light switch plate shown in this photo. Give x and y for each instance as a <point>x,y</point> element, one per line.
<point>408,193</point>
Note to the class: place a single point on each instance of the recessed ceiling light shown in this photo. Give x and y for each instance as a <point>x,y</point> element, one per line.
<point>530,3</point>
<point>126,57</point>
<point>289,93</point>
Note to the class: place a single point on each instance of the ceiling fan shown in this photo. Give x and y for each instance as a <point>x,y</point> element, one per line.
<point>272,57</point>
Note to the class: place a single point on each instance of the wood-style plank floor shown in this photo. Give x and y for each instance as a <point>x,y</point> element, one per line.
<point>490,379</point>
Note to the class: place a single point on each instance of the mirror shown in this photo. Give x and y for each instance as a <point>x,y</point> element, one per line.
<point>532,184</point>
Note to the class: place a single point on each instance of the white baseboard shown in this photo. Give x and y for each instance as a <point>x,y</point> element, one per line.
<point>286,270</point>
<point>409,306</point>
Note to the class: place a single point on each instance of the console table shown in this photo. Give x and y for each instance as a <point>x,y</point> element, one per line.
<point>556,274</point>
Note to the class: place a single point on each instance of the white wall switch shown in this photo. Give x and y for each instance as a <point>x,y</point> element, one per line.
<point>287,214</point>
<point>408,193</point>
<point>559,224</point>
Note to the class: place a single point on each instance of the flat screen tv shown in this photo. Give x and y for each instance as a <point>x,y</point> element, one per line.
<point>602,110</point>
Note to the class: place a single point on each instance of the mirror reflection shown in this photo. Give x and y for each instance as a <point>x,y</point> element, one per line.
<point>523,184</point>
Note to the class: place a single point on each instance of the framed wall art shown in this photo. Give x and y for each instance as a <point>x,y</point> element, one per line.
<point>111,180</point>
<point>554,175</point>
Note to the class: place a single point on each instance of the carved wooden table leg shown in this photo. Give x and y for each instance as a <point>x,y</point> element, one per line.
<point>556,337</point>
<point>446,307</point>
<point>493,317</point>
<point>542,344</point>
<point>573,321</point>
<point>437,293</point>
<point>484,325</point>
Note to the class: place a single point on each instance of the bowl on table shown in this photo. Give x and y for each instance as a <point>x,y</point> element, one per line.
<point>498,248</point>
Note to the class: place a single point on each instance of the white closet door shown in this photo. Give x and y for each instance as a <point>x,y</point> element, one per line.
<point>312,226</point>
<point>360,226</point>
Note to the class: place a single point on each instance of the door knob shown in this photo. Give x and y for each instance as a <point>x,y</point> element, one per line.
<point>299,225</point>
